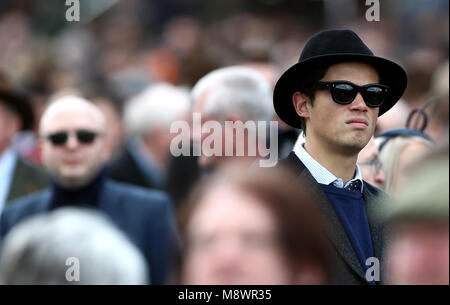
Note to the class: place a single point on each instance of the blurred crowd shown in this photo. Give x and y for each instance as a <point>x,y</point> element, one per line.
<point>127,70</point>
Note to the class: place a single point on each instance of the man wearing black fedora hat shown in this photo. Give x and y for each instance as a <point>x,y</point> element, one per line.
<point>17,176</point>
<point>335,94</point>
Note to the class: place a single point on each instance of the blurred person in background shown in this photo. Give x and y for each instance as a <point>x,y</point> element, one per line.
<point>370,165</point>
<point>251,228</point>
<point>403,147</point>
<point>233,94</point>
<point>334,94</point>
<point>418,251</point>
<point>73,150</point>
<point>114,136</point>
<point>287,135</point>
<point>70,246</point>
<point>147,118</point>
<point>236,94</point>
<point>399,153</point>
<point>17,176</point>
<point>438,112</point>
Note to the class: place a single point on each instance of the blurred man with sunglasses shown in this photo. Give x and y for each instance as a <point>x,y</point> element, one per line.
<point>335,94</point>
<point>73,151</point>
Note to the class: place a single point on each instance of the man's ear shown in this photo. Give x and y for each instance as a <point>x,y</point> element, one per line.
<point>300,101</point>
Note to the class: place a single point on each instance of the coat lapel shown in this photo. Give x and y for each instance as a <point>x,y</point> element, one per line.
<point>26,180</point>
<point>372,198</point>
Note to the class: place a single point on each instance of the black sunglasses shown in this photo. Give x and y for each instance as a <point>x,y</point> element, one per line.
<point>344,92</point>
<point>83,137</point>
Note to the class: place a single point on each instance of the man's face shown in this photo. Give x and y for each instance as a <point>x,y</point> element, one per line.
<point>223,139</point>
<point>232,240</point>
<point>343,128</point>
<point>208,158</point>
<point>418,254</point>
<point>9,126</point>
<point>73,164</point>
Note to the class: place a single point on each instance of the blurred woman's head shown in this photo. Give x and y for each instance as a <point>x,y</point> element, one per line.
<point>398,154</point>
<point>257,227</point>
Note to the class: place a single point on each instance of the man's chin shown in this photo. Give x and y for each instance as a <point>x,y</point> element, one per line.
<point>74,180</point>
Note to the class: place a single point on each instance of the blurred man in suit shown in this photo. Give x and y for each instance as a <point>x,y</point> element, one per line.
<point>72,143</point>
<point>147,118</point>
<point>230,98</point>
<point>17,176</point>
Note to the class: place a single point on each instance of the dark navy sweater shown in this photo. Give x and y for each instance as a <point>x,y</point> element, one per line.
<point>351,210</point>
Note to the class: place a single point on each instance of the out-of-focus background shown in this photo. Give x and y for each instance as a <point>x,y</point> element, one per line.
<point>120,47</point>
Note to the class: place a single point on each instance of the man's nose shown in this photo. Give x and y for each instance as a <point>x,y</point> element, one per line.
<point>228,251</point>
<point>358,103</point>
<point>72,142</point>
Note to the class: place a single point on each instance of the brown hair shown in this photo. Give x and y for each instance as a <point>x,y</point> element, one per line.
<point>300,227</point>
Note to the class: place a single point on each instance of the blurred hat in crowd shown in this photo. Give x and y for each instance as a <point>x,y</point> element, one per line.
<point>330,47</point>
<point>16,101</point>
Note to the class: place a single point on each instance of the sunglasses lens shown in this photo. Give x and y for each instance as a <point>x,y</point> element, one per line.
<point>343,93</point>
<point>374,96</point>
<point>86,136</point>
<point>58,138</point>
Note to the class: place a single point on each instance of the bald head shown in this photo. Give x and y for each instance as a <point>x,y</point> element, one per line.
<point>68,106</point>
<point>72,141</point>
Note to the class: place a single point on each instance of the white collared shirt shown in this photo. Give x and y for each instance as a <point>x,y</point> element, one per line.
<point>320,173</point>
<point>7,164</point>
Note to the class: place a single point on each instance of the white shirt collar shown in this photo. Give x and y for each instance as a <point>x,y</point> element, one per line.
<point>320,173</point>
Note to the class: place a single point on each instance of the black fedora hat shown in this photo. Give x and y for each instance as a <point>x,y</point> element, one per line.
<point>326,48</point>
<point>16,101</point>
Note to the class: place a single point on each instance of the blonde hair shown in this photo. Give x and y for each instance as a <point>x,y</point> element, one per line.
<point>390,157</point>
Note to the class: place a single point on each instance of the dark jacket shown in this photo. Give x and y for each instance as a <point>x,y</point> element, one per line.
<point>126,169</point>
<point>27,179</point>
<point>346,265</point>
<point>146,217</point>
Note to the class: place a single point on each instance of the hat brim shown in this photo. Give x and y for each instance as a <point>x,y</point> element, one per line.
<point>392,74</point>
<point>21,105</point>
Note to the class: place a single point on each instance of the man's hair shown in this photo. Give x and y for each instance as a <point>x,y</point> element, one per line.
<point>235,90</point>
<point>156,107</point>
<point>37,251</point>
